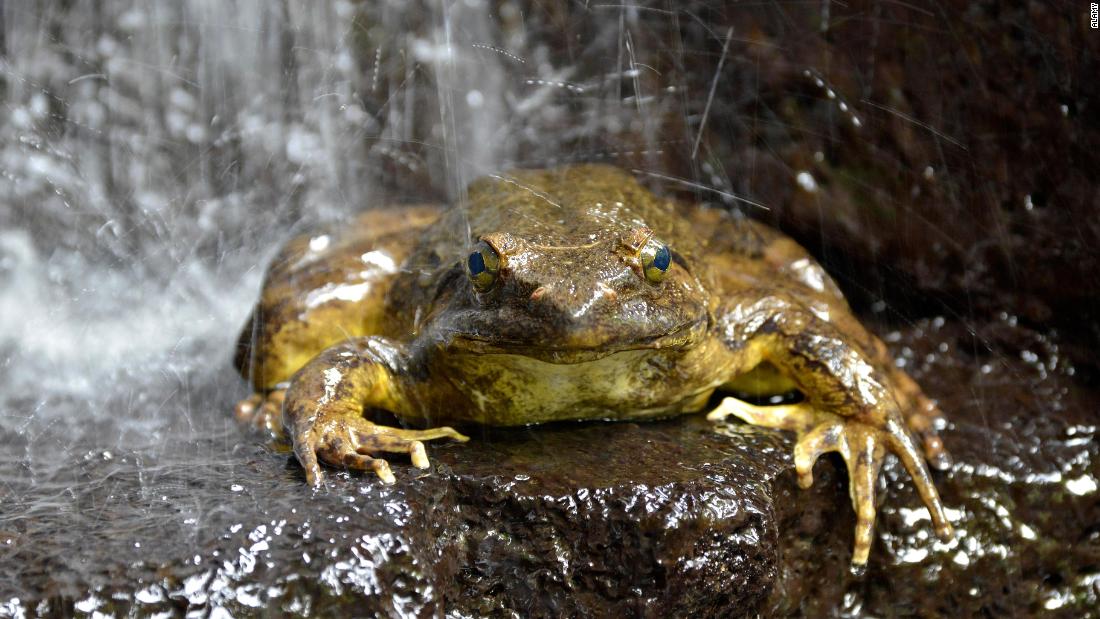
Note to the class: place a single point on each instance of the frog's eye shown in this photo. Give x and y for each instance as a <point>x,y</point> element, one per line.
<point>483,266</point>
<point>656,258</point>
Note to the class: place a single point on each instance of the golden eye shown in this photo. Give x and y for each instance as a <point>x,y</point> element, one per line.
<point>483,266</point>
<point>656,260</point>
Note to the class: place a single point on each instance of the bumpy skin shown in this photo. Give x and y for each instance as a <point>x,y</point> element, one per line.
<point>382,315</point>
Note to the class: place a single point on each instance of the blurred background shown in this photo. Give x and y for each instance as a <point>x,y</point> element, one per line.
<point>939,158</point>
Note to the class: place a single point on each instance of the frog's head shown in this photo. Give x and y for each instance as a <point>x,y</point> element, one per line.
<point>567,301</point>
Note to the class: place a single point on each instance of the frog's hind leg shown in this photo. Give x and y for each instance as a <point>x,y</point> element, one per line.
<point>263,411</point>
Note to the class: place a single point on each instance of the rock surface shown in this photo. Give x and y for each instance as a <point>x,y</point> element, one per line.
<point>652,520</point>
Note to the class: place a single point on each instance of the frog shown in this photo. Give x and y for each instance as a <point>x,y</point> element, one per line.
<point>565,294</point>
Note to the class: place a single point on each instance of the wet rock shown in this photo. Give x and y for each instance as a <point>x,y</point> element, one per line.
<point>660,519</point>
<point>1023,489</point>
<point>951,152</point>
<point>656,519</point>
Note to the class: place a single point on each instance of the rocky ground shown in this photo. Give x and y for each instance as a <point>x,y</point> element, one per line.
<point>674,518</point>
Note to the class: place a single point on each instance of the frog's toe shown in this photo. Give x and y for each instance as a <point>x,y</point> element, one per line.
<point>924,420</point>
<point>398,440</point>
<point>263,412</point>
<point>797,417</point>
<point>270,416</point>
<point>863,452</point>
<point>429,434</point>
<point>811,445</point>
<point>418,456</point>
<point>356,443</point>
<point>246,409</point>
<point>364,462</point>
<point>305,448</point>
<point>906,450</point>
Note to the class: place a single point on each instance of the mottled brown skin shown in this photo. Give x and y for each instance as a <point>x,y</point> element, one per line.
<point>383,315</point>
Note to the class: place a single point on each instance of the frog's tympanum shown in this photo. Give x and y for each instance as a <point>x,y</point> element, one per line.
<point>572,293</point>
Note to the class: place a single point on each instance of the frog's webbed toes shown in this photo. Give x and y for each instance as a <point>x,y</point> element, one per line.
<point>863,446</point>
<point>356,442</point>
<point>924,419</point>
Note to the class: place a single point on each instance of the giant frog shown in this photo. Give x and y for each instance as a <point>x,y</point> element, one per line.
<point>568,294</point>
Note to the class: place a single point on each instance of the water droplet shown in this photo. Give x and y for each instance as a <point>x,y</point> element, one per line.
<point>806,181</point>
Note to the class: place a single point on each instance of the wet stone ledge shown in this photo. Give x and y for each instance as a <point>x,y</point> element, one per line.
<point>652,520</point>
<point>598,519</point>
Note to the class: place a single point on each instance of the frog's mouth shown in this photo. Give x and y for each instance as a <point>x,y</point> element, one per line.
<point>550,351</point>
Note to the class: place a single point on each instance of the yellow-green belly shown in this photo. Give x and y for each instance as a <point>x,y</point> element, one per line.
<point>511,390</point>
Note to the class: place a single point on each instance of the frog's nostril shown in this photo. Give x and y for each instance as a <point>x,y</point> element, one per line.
<point>538,293</point>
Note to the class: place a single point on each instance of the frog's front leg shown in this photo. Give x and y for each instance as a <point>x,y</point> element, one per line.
<point>323,413</point>
<point>849,404</point>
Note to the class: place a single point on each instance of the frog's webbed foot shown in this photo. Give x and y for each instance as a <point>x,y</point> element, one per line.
<point>263,412</point>
<point>863,447</point>
<point>350,442</point>
<point>323,412</point>
<point>856,402</point>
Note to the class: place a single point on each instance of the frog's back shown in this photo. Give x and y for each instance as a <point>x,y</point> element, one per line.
<point>740,254</point>
<point>572,205</point>
<point>326,286</point>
